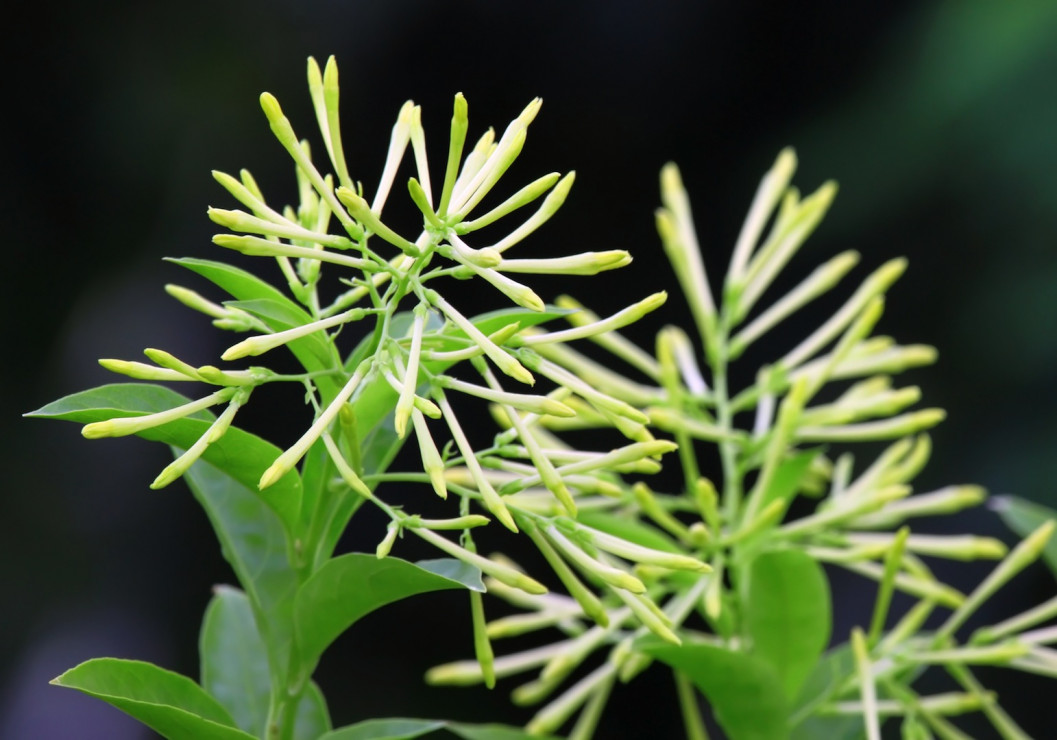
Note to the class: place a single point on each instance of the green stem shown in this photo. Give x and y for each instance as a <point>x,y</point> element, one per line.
<point>692,721</point>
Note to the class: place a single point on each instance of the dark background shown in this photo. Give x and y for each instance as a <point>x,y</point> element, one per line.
<point>939,120</point>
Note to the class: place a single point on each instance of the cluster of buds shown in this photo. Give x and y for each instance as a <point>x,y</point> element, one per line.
<point>398,380</point>
<point>776,442</point>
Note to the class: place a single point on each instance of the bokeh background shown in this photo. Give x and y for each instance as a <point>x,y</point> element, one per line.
<point>939,120</point>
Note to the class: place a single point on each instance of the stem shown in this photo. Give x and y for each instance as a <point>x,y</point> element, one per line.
<point>692,721</point>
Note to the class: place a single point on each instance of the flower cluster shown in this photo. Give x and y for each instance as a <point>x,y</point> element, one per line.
<point>777,441</point>
<point>400,375</point>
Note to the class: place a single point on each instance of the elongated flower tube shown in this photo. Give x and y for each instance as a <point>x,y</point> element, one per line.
<point>524,401</point>
<point>640,554</point>
<point>587,263</point>
<point>792,228</point>
<point>125,426</point>
<point>769,193</point>
<point>399,139</point>
<point>244,222</point>
<point>492,501</point>
<point>260,344</point>
<point>823,279</point>
<point>143,371</point>
<point>499,159</point>
<point>216,430</point>
<point>407,391</point>
<point>563,377</point>
<point>554,200</point>
<point>676,227</point>
<point>521,198</point>
<point>622,318</point>
<point>613,342</point>
<point>500,572</point>
<point>257,247</point>
<point>615,577</point>
<point>503,360</point>
<point>286,461</point>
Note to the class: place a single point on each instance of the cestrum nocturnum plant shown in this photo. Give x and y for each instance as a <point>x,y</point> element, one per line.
<point>765,604</point>
<point>724,582</point>
<point>414,333</point>
<point>397,381</point>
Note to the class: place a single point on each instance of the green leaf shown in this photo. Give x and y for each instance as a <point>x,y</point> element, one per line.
<point>235,660</point>
<point>787,614</point>
<point>822,685</point>
<point>254,543</point>
<point>241,455</point>
<point>788,477</point>
<point>744,691</point>
<point>492,732</point>
<point>1024,517</point>
<point>348,588</point>
<point>235,669</point>
<point>313,719</point>
<point>406,729</point>
<point>244,286</point>
<point>386,729</point>
<point>173,705</point>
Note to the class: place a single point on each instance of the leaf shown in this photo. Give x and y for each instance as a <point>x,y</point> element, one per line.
<point>1024,517</point>
<point>313,719</point>
<point>406,729</point>
<point>787,614</point>
<point>828,676</point>
<point>172,705</point>
<point>788,477</point>
<point>235,660</point>
<point>244,286</point>
<point>254,543</point>
<point>744,690</point>
<point>348,588</point>
<point>492,732</point>
<point>235,669</point>
<point>386,729</point>
<point>241,455</point>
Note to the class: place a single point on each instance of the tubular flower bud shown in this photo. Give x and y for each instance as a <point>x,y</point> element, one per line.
<point>124,426</point>
<point>286,461</point>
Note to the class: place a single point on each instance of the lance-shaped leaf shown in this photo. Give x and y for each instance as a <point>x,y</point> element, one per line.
<point>173,705</point>
<point>351,586</point>
<point>787,614</point>
<point>239,454</point>
<point>745,692</point>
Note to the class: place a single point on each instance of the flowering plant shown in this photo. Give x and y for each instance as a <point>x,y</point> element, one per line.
<point>646,573</point>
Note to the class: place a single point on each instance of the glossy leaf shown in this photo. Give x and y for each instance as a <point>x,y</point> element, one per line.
<point>787,614</point>
<point>172,705</point>
<point>234,659</point>
<point>744,691</point>
<point>241,455</point>
<point>407,729</point>
<point>1024,517</point>
<point>244,286</point>
<point>253,542</point>
<point>351,586</point>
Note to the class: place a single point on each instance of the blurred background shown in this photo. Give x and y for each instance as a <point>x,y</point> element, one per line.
<point>938,119</point>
